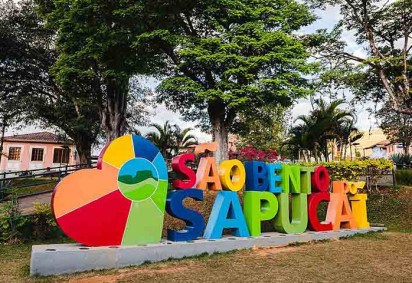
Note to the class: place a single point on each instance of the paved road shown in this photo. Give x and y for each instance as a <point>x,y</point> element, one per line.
<point>26,203</point>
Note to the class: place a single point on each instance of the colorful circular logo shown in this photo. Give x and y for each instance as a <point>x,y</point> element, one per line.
<point>122,203</point>
<point>138,179</point>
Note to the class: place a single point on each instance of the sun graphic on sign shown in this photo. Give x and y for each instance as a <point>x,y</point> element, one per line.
<point>121,203</point>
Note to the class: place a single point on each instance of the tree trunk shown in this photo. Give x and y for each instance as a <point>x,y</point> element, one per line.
<point>220,135</point>
<point>83,143</point>
<point>220,124</point>
<point>114,112</point>
<point>84,157</point>
<point>344,152</point>
<point>3,130</point>
<point>406,148</point>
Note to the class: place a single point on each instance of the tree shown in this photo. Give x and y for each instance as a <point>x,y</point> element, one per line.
<point>162,138</point>
<point>28,86</point>
<point>95,43</point>
<point>347,133</point>
<point>384,28</point>
<point>230,58</point>
<point>323,124</point>
<point>265,130</point>
<point>183,139</point>
<point>398,127</point>
<point>171,139</point>
<point>10,72</point>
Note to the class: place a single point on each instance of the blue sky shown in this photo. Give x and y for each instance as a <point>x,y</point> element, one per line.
<point>327,19</point>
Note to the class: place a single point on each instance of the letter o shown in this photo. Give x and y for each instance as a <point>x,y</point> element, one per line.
<point>232,175</point>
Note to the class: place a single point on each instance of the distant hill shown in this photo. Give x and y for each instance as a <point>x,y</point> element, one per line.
<point>139,177</point>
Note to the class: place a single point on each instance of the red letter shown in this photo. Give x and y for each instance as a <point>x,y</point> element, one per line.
<point>320,179</point>
<point>314,223</point>
<point>180,167</point>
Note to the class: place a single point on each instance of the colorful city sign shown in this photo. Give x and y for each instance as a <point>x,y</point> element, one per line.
<point>124,200</point>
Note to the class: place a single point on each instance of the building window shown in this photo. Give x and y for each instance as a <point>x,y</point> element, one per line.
<point>61,155</point>
<point>14,153</point>
<point>37,154</point>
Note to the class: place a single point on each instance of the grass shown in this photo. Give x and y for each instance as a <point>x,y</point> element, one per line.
<point>29,186</point>
<point>392,207</point>
<point>370,257</point>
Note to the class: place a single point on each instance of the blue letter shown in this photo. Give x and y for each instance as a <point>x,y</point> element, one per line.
<point>194,220</point>
<point>256,176</point>
<point>226,213</point>
<point>274,177</point>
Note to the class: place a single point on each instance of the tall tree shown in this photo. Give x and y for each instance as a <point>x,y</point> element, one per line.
<point>265,130</point>
<point>27,88</point>
<point>346,134</point>
<point>162,137</point>
<point>183,139</point>
<point>231,57</point>
<point>384,28</point>
<point>398,127</point>
<point>95,43</point>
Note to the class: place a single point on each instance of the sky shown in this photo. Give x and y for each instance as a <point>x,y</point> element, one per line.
<point>327,19</point>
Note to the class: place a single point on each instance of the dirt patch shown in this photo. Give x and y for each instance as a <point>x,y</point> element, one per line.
<point>274,250</point>
<point>128,273</point>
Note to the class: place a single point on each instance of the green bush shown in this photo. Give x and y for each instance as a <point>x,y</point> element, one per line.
<point>403,177</point>
<point>402,160</point>
<point>11,222</point>
<point>43,223</point>
<point>354,170</point>
<point>16,228</point>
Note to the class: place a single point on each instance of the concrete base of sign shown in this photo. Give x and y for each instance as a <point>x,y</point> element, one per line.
<point>70,258</point>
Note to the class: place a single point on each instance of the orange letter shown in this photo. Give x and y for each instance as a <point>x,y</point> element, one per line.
<point>207,176</point>
<point>339,212</point>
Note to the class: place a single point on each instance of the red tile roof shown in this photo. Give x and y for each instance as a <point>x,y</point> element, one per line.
<point>45,137</point>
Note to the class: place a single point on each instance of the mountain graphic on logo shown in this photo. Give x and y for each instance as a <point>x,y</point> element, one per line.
<point>142,183</point>
<point>140,176</point>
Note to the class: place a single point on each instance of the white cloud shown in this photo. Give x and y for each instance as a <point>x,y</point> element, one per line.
<point>302,107</point>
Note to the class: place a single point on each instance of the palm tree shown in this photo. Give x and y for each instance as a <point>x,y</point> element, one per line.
<point>163,138</point>
<point>322,125</point>
<point>183,139</point>
<point>348,134</point>
<point>171,139</point>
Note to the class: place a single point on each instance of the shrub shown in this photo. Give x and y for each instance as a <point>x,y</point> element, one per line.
<point>250,153</point>
<point>11,222</point>
<point>403,177</point>
<point>373,169</point>
<point>401,160</point>
<point>16,228</point>
<point>43,223</point>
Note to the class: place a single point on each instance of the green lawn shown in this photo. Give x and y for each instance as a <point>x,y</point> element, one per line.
<point>383,257</point>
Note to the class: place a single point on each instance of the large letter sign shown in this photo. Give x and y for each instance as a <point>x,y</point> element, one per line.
<point>123,201</point>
